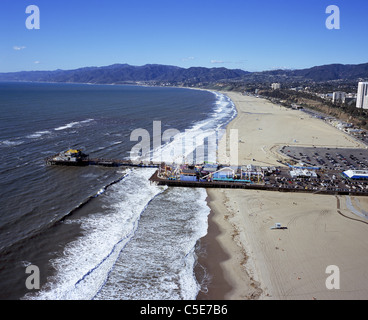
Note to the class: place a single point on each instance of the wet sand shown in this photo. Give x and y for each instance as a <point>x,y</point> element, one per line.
<point>223,258</point>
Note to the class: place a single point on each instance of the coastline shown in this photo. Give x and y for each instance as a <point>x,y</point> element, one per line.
<point>223,259</point>
<point>247,261</point>
<point>210,257</point>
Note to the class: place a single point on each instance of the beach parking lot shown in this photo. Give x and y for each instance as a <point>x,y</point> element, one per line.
<point>329,158</point>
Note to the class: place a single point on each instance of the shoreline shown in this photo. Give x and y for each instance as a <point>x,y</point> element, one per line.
<point>209,259</point>
<point>223,259</point>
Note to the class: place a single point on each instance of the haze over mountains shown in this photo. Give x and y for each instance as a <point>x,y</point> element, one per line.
<point>124,73</point>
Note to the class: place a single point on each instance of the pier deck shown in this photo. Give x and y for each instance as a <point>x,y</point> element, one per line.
<point>100,162</point>
<point>249,186</point>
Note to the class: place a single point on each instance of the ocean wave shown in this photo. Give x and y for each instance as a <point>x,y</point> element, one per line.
<point>72,124</point>
<point>97,194</point>
<point>11,143</point>
<point>87,262</point>
<point>189,146</point>
<point>38,134</point>
<point>64,218</point>
<point>158,263</point>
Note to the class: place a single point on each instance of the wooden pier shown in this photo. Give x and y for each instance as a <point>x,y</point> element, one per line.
<point>121,163</point>
<point>53,160</point>
<point>77,158</point>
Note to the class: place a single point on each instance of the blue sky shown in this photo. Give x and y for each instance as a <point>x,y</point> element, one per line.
<point>249,35</point>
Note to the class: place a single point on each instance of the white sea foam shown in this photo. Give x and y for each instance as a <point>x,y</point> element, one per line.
<point>116,142</point>
<point>38,134</point>
<point>11,143</point>
<point>203,137</point>
<point>72,124</point>
<point>158,263</point>
<point>101,191</point>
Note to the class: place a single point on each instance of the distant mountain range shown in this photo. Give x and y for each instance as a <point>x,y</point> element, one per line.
<point>124,73</point>
<point>325,73</point>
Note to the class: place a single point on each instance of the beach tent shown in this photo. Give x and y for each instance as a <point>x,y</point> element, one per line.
<point>356,174</point>
<point>302,173</point>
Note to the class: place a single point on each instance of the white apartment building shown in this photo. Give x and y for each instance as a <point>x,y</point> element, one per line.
<point>362,96</point>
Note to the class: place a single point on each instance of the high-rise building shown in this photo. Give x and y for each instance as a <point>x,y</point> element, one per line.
<point>362,96</point>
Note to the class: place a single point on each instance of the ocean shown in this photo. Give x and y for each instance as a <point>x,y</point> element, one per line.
<point>95,232</point>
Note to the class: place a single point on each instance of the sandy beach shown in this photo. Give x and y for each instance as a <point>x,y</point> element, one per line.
<point>248,260</point>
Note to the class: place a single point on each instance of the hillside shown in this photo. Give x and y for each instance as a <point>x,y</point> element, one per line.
<point>122,73</point>
<point>154,73</point>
